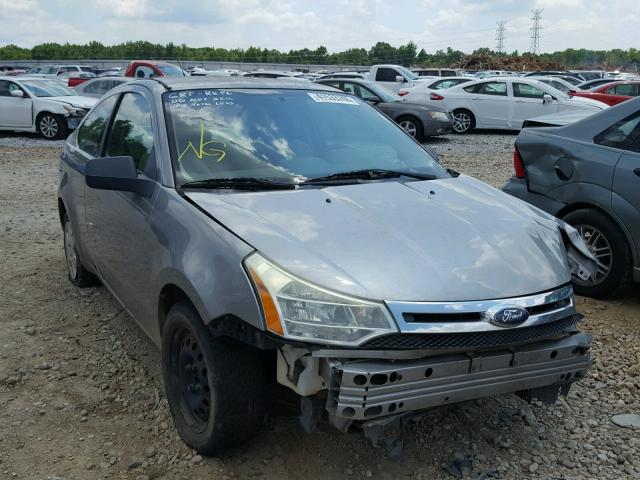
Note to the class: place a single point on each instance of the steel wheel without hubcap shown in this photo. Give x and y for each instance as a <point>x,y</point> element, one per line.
<point>409,127</point>
<point>601,249</point>
<point>49,126</point>
<point>189,371</point>
<point>70,253</point>
<point>461,122</point>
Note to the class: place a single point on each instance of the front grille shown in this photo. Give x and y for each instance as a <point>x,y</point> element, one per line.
<point>494,338</point>
<point>448,317</point>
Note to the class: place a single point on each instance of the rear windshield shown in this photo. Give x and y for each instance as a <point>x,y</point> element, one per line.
<point>285,135</point>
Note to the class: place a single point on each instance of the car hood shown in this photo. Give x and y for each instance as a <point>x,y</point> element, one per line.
<point>562,118</point>
<point>581,102</point>
<point>444,240</point>
<point>75,101</point>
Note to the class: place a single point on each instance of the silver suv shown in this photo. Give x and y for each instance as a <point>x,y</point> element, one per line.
<point>284,232</point>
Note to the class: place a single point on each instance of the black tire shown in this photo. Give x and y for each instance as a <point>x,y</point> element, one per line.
<point>78,275</point>
<point>463,121</point>
<point>215,385</point>
<point>51,127</point>
<point>590,222</point>
<point>412,126</point>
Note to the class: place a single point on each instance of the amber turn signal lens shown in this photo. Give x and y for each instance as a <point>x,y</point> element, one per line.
<point>271,315</point>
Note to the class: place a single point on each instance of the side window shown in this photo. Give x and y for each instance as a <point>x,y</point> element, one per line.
<point>493,88</point>
<point>92,129</point>
<point>431,73</point>
<point>132,133</point>
<point>7,87</point>
<point>621,135</point>
<point>625,89</point>
<point>472,88</point>
<point>143,72</point>
<point>96,87</point>
<point>349,88</point>
<point>523,90</point>
<point>366,94</point>
<point>448,73</point>
<point>385,74</point>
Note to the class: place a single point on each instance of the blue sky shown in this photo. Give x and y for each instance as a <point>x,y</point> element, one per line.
<point>336,24</point>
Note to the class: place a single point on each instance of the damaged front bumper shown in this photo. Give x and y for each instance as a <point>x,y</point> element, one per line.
<point>369,385</point>
<point>364,390</point>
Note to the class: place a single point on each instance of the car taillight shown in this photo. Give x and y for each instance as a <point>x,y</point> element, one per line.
<point>518,166</point>
<point>435,96</point>
<point>402,93</point>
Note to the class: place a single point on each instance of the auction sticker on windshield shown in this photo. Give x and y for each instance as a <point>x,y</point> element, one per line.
<point>333,98</point>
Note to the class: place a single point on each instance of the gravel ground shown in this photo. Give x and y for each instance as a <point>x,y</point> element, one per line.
<point>81,395</point>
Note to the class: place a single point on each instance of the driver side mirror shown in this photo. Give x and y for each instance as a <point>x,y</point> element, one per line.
<point>400,79</point>
<point>117,173</point>
<point>373,100</point>
<point>546,98</point>
<point>17,93</point>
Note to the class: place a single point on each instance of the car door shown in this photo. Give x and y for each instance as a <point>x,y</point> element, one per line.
<point>491,103</point>
<point>15,111</point>
<point>528,102</point>
<point>386,77</point>
<point>120,237</point>
<point>625,197</point>
<point>76,154</point>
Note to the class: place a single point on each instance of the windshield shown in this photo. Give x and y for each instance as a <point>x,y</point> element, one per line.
<point>408,73</point>
<point>170,71</point>
<point>47,88</point>
<point>284,135</point>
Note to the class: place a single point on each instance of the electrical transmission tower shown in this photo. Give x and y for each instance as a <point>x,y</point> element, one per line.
<point>500,36</point>
<point>535,31</point>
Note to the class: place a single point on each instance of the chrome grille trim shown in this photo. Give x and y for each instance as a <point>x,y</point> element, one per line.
<point>401,309</point>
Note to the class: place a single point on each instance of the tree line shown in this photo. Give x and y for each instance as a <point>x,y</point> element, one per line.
<point>381,52</point>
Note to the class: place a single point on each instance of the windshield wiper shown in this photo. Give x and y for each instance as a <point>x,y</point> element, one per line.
<point>366,174</point>
<point>239,183</point>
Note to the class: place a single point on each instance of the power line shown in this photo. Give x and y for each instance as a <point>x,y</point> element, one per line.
<point>500,36</point>
<point>535,30</point>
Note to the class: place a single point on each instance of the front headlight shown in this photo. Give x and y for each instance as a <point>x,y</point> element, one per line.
<point>299,310</point>
<point>439,116</point>
<point>76,112</point>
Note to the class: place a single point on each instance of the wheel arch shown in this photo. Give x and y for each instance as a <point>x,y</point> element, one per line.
<point>573,207</point>
<point>62,210</point>
<point>170,295</point>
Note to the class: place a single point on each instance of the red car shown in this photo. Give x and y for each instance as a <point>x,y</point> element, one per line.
<point>612,93</point>
<point>148,69</point>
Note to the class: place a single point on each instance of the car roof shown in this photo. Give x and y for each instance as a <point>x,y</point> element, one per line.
<point>188,83</point>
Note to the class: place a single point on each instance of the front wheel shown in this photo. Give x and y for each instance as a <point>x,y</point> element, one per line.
<point>215,385</point>
<point>463,121</point>
<point>51,127</point>
<point>412,126</point>
<point>609,246</point>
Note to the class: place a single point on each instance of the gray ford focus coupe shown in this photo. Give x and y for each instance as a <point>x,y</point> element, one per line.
<point>283,232</point>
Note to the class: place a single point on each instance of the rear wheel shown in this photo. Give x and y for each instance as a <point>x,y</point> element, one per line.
<point>412,126</point>
<point>463,121</point>
<point>215,385</point>
<point>78,275</point>
<point>51,127</point>
<point>609,246</point>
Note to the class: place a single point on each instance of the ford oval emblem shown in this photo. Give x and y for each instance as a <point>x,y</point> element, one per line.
<point>507,316</point>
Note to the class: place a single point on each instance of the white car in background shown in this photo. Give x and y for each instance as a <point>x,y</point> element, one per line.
<point>41,105</point>
<point>504,103</point>
<point>424,91</point>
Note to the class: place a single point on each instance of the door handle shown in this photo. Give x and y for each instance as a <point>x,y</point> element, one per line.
<point>637,171</point>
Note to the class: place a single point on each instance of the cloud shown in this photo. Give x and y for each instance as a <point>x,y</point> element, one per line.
<point>125,8</point>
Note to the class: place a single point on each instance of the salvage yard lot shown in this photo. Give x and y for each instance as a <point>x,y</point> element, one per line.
<point>81,395</point>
